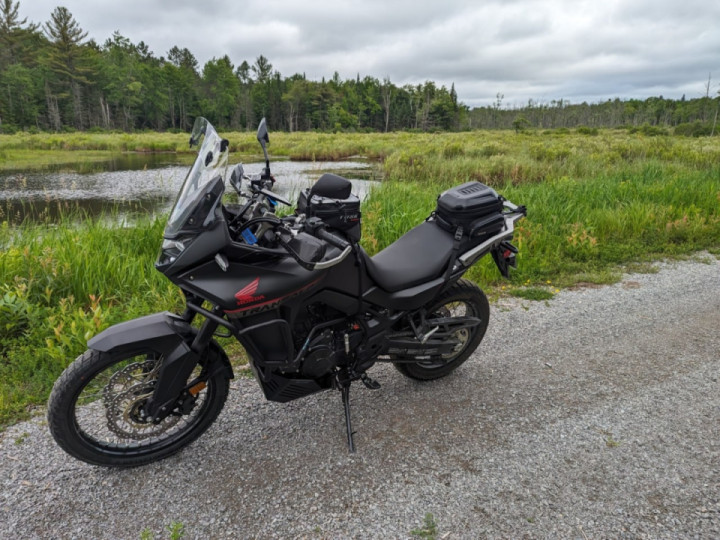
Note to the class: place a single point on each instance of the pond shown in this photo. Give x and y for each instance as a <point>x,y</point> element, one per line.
<point>132,187</point>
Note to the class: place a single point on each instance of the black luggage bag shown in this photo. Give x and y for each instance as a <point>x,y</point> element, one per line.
<point>330,200</point>
<point>474,206</point>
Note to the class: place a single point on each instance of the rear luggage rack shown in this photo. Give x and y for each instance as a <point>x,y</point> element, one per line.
<point>471,256</point>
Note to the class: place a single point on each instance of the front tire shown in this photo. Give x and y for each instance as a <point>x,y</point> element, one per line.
<point>462,299</point>
<point>95,409</point>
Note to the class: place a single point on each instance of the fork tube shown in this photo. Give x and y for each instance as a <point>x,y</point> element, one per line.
<point>204,336</point>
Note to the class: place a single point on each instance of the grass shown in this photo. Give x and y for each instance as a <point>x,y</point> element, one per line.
<point>428,531</point>
<point>176,531</point>
<point>59,285</point>
<point>597,205</point>
<point>532,293</point>
<point>490,156</point>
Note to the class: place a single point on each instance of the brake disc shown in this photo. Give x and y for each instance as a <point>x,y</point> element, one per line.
<point>124,397</point>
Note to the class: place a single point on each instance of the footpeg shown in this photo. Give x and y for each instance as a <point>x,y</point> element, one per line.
<point>369,383</point>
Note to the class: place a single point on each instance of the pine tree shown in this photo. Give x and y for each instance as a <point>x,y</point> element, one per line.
<point>10,32</point>
<point>68,61</point>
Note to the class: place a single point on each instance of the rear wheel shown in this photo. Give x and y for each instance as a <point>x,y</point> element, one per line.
<point>96,409</point>
<point>463,299</point>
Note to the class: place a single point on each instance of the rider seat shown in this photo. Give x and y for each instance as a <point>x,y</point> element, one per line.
<point>420,255</point>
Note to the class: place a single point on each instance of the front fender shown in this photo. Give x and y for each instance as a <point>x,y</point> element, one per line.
<point>160,332</point>
<point>163,333</point>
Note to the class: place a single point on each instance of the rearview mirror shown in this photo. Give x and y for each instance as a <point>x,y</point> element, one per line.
<point>262,133</point>
<point>236,176</point>
<point>264,138</point>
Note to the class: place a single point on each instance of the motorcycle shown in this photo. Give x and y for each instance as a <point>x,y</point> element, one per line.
<point>307,303</point>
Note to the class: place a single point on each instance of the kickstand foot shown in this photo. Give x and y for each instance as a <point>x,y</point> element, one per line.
<point>345,391</point>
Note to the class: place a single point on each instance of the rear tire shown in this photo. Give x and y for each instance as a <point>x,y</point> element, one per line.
<point>463,299</point>
<point>95,409</point>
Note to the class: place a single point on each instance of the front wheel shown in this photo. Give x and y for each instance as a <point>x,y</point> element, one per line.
<point>463,299</point>
<point>96,412</point>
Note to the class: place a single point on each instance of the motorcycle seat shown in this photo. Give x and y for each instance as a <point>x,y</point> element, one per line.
<point>420,255</point>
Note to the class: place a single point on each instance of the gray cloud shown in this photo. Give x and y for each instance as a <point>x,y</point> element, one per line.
<point>587,50</point>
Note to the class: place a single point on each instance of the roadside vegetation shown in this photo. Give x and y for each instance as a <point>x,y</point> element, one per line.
<point>595,202</point>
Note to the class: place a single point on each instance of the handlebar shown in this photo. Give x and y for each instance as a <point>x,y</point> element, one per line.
<point>313,228</point>
<point>321,234</point>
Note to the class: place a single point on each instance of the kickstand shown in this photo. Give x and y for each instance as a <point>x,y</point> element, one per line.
<point>345,391</point>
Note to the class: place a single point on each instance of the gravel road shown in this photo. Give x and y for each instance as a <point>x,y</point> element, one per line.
<point>596,415</point>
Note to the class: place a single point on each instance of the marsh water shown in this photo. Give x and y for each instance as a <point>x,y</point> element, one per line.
<point>135,185</point>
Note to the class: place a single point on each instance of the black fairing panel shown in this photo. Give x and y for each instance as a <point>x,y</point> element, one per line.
<point>245,287</point>
<point>406,299</point>
<point>200,248</point>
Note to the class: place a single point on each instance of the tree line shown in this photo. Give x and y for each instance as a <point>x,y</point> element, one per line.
<point>701,114</point>
<point>52,77</point>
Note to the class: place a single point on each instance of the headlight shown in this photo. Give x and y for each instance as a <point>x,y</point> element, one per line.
<point>171,249</point>
<point>176,245</point>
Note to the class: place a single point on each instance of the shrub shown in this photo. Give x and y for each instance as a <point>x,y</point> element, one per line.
<point>647,129</point>
<point>585,130</point>
<point>693,129</point>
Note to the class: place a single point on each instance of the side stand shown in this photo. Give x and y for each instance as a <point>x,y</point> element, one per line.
<point>345,391</point>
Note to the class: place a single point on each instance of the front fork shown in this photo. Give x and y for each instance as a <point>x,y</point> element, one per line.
<point>171,388</point>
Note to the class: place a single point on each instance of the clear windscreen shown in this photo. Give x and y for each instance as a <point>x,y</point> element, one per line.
<point>210,164</point>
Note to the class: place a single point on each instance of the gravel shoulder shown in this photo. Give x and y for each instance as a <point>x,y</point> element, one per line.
<point>595,415</point>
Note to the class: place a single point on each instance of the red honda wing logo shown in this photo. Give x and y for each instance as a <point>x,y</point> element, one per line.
<point>246,295</point>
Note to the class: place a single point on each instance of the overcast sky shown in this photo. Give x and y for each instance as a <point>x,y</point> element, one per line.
<point>587,50</point>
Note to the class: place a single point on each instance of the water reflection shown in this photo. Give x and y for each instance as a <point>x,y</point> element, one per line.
<point>139,189</point>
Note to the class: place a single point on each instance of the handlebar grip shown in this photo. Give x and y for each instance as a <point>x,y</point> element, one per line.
<point>331,239</point>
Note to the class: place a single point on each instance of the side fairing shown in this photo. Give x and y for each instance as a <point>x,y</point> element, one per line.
<point>248,289</point>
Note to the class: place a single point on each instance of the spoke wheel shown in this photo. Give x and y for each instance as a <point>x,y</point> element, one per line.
<point>96,409</point>
<point>463,299</point>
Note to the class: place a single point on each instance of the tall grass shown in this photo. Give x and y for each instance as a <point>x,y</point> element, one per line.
<point>594,202</point>
<point>61,284</point>
<point>489,155</point>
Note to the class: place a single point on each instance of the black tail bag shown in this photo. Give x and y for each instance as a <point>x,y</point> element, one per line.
<point>475,206</point>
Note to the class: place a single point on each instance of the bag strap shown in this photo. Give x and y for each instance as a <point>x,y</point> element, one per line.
<point>456,248</point>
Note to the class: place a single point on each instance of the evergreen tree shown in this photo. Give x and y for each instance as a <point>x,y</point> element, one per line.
<point>14,34</point>
<point>67,60</point>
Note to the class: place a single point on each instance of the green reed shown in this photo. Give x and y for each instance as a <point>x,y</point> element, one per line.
<point>62,283</point>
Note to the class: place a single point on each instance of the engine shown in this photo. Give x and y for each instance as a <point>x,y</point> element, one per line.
<point>322,356</point>
<point>332,348</point>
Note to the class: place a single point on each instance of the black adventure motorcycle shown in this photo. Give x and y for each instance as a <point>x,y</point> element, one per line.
<point>310,307</point>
